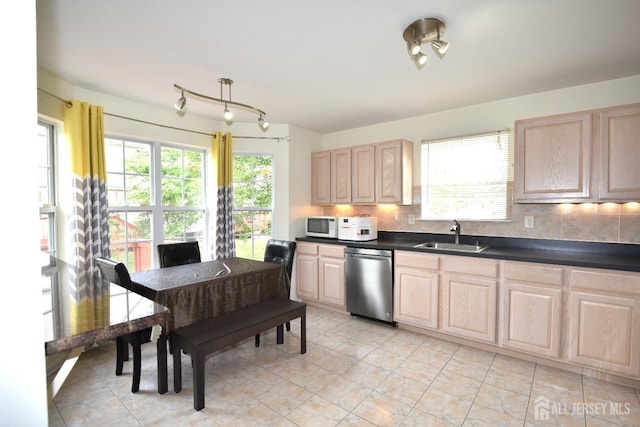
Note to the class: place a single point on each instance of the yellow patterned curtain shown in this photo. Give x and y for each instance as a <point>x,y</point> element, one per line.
<point>222,153</point>
<point>89,220</point>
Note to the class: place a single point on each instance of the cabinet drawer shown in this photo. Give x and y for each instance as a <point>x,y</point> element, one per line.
<point>470,266</point>
<point>307,248</point>
<point>606,281</point>
<point>535,273</point>
<point>417,260</point>
<point>332,251</point>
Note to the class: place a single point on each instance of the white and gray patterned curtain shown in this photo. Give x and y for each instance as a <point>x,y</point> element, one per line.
<point>89,219</point>
<point>222,152</point>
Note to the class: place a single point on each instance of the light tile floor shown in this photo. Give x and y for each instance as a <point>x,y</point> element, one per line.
<point>355,373</point>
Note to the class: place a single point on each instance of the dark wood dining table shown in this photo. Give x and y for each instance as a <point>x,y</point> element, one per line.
<point>203,290</point>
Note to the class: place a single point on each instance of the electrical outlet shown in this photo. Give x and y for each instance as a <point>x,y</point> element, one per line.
<point>528,222</point>
<point>412,219</point>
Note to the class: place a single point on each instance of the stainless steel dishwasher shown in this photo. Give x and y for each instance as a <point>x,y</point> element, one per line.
<point>369,283</point>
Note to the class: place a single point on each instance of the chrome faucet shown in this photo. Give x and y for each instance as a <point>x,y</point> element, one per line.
<point>456,229</point>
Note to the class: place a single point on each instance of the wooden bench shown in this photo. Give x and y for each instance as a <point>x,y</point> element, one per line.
<point>207,336</point>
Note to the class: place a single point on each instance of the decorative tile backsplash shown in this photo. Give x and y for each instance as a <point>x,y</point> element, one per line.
<point>603,222</point>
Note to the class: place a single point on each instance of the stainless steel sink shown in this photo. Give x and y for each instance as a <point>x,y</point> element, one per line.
<point>454,247</point>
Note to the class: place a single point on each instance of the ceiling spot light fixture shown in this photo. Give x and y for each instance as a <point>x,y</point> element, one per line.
<point>263,123</point>
<point>181,102</point>
<point>425,30</point>
<point>228,115</point>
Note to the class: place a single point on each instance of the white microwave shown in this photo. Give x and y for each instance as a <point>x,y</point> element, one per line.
<point>321,226</point>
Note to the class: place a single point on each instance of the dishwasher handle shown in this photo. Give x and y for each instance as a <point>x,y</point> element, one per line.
<point>350,251</point>
<point>367,256</point>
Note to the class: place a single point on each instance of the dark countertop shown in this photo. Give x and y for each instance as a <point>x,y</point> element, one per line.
<point>109,312</point>
<point>613,256</point>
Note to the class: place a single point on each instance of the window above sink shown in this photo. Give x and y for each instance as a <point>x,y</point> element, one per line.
<point>466,177</point>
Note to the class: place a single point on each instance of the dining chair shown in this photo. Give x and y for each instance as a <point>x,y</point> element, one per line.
<point>171,254</point>
<point>280,252</point>
<point>116,272</point>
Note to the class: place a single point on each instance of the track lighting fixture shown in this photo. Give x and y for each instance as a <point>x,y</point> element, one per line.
<point>181,102</point>
<point>421,31</point>
<point>263,123</point>
<point>420,58</point>
<point>228,115</point>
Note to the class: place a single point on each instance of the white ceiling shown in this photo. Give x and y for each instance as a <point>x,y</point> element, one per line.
<point>330,65</point>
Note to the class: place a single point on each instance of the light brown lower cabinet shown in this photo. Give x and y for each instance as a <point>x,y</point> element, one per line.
<point>416,282</point>
<point>320,273</point>
<point>587,318</point>
<point>605,321</point>
<point>470,307</point>
<point>307,270</point>
<point>331,275</point>
<point>531,308</point>
<point>470,297</point>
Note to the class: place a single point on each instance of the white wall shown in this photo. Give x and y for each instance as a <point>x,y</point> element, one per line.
<point>303,143</point>
<point>23,393</point>
<point>490,116</point>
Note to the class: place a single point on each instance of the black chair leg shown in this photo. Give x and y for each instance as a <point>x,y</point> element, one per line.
<point>137,361</point>
<point>257,340</point>
<point>288,326</point>
<point>280,334</point>
<point>122,349</point>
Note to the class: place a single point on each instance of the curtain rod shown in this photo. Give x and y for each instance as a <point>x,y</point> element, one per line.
<point>69,104</point>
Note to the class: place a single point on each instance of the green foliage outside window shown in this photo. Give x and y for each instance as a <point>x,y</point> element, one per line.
<point>253,201</point>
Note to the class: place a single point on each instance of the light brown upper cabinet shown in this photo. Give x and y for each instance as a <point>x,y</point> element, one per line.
<point>341,176</point>
<point>553,158</point>
<point>620,154</point>
<point>589,156</point>
<point>331,177</point>
<point>394,172</point>
<point>321,178</point>
<point>363,175</point>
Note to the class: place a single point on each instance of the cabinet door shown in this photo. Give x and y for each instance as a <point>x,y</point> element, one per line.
<point>307,276</point>
<point>470,307</point>
<point>332,281</point>
<point>416,296</point>
<point>553,158</point>
<point>363,174</point>
<point>321,178</point>
<point>620,154</point>
<point>393,172</point>
<point>341,176</point>
<point>605,333</point>
<point>532,318</point>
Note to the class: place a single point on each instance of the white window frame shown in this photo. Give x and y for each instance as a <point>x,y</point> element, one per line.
<point>50,208</point>
<point>51,273</point>
<point>155,208</point>
<point>454,172</point>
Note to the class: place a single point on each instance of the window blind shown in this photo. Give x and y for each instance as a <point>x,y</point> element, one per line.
<point>466,177</point>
